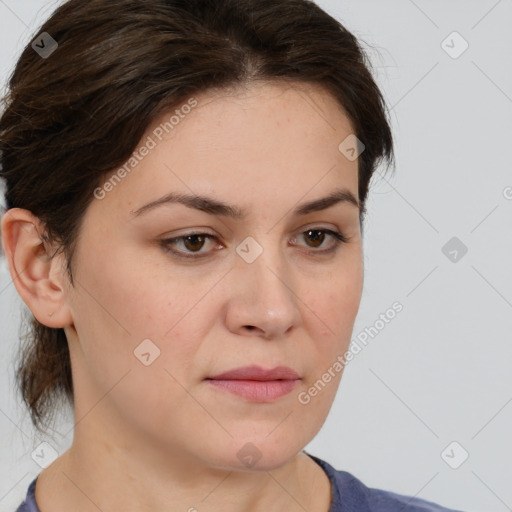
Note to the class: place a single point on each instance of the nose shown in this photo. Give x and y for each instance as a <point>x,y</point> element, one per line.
<point>262,300</point>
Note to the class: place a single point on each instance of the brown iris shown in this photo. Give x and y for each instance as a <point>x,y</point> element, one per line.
<point>316,238</point>
<point>194,246</point>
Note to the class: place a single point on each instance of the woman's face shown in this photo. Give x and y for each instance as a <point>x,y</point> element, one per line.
<point>153,321</point>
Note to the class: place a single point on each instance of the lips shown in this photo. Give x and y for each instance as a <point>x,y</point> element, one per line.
<point>256,384</point>
<point>259,374</point>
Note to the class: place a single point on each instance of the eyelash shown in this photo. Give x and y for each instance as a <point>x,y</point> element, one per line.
<point>338,239</point>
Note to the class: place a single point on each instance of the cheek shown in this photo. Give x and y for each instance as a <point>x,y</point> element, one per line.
<point>335,301</point>
<point>333,308</point>
<point>125,362</point>
<point>114,310</point>
<point>138,316</point>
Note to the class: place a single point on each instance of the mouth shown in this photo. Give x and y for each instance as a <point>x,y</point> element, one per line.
<point>257,384</point>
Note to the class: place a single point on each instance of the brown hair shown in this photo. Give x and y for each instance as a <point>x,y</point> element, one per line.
<point>72,117</point>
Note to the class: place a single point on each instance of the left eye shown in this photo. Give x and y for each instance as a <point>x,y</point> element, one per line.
<point>194,242</point>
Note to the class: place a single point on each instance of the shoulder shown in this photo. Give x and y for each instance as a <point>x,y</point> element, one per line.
<point>29,505</point>
<point>349,494</point>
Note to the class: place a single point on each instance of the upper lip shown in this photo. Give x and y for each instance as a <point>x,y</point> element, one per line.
<point>258,373</point>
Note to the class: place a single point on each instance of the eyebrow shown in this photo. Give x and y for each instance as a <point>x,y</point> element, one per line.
<point>216,207</point>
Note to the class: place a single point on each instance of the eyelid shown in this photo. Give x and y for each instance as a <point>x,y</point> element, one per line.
<point>338,237</point>
<point>207,231</point>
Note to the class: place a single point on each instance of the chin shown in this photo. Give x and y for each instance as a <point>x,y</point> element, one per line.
<point>261,454</point>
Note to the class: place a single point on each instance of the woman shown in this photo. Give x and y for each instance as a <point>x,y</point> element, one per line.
<point>186,184</point>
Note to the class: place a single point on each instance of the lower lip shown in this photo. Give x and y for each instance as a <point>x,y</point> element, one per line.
<point>256,391</point>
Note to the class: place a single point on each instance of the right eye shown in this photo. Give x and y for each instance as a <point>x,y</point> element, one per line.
<point>192,243</point>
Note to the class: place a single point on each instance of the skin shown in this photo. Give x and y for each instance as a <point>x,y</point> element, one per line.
<point>149,436</point>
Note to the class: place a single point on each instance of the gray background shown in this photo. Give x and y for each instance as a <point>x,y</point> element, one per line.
<point>440,370</point>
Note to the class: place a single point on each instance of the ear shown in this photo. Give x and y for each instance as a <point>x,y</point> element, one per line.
<point>41,281</point>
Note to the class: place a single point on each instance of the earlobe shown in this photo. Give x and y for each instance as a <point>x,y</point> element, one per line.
<point>39,279</point>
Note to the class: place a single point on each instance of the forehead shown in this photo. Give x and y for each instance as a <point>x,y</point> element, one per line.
<point>260,106</point>
<point>268,139</point>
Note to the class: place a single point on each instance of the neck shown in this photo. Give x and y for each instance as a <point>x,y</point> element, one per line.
<point>94,476</point>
